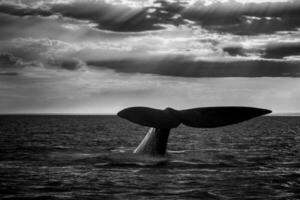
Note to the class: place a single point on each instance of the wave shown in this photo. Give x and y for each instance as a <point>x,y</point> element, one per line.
<point>177,152</point>
<point>134,160</point>
<point>170,164</point>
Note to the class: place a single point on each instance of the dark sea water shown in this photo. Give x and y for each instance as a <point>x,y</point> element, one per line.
<point>88,157</point>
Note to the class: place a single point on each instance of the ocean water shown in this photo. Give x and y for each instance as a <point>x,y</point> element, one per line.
<point>88,157</point>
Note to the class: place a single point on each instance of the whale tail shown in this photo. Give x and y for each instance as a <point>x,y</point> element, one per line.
<point>203,117</point>
<point>155,142</point>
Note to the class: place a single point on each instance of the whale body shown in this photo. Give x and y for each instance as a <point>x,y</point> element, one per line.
<point>162,121</point>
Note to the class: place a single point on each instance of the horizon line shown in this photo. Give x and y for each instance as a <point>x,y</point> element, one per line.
<point>114,114</point>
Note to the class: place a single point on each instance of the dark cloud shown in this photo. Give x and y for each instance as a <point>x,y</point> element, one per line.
<point>30,26</point>
<point>247,18</point>
<point>52,27</point>
<point>105,15</point>
<point>8,60</point>
<point>9,74</point>
<point>281,50</point>
<point>73,64</point>
<point>235,50</point>
<point>186,67</point>
<point>21,10</point>
<point>231,17</point>
<point>123,18</point>
<point>277,50</point>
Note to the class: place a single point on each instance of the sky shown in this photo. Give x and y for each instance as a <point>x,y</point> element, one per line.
<point>98,57</point>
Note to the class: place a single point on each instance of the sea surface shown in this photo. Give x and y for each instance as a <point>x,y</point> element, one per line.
<point>89,157</point>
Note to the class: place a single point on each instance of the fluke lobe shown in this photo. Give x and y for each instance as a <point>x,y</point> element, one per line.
<point>161,122</point>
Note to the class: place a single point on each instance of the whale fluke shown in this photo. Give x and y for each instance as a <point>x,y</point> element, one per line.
<point>212,117</point>
<point>155,142</point>
<point>150,117</point>
<point>203,117</point>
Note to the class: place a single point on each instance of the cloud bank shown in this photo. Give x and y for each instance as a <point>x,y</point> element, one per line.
<point>229,16</point>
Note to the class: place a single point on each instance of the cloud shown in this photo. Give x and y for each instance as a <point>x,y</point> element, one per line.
<point>107,16</point>
<point>245,18</point>
<point>104,15</point>
<point>189,67</point>
<point>31,26</point>
<point>281,50</point>
<point>22,10</point>
<point>176,52</point>
<point>8,60</point>
<point>229,16</point>
<point>54,28</point>
<point>235,50</point>
<point>269,50</point>
<point>29,52</point>
<point>72,64</point>
<point>9,74</point>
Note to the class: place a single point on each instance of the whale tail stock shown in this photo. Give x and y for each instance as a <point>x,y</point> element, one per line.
<point>162,121</point>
